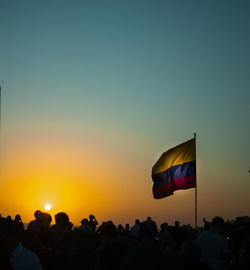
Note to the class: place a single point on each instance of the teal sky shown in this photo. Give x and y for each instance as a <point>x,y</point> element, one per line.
<point>138,77</point>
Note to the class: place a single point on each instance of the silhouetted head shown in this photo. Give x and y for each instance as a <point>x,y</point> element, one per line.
<point>149,219</point>
<point>120,228</point>
<point>127,227</point>
<point>18,218</point>
<point>62,219</point>
<point>164,227</point>
<point>84,221</point>
<point>110,222</point>
<point>36,214</point>
<point>217,221</point>
<point>218,224</point>
<point>91,217</point>
<point>148,229</point>
<point>45,219</point>
<point>137,221</point>
<point>177,223</point>
<point>109,231</point>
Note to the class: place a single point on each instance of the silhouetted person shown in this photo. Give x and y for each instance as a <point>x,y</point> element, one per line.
<point>61,228</point>
<point>212,244</point>
<point>177,224</point>
<point>34,225</point>
<point>111,248</point>
<point>123,232</point>
<point>100,227</point>
<point>135,229</point>
<point>85,226</point>
<point>109,231</point>
<point>61,234</point>
<point>126,231</point>
<point>207,225</point>
<point>62,223</point>
<point>19,257</point>
<point>120,228</point>
<point>93,222</point>
<point>147,255</point>
<point>163,227</point>
<point>19,223</point>
<point>45,220</point>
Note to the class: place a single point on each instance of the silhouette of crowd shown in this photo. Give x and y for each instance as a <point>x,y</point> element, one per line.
<point>91,246</point>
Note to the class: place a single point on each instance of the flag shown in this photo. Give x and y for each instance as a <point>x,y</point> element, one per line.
<point>175,170</point>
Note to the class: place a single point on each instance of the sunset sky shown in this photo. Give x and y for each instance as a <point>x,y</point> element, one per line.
<point>94,91</point>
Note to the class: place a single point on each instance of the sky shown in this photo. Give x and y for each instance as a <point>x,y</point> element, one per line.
<point>94,91</point>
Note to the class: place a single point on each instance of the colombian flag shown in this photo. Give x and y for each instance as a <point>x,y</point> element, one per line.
<point>175,169</point>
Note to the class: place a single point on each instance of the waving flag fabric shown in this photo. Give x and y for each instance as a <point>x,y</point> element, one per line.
<point>175,169</point>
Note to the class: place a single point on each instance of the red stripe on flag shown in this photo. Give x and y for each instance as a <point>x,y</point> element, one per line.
<point>175,184</point>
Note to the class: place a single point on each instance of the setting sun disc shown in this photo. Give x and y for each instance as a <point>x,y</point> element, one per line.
<point>47,207</point>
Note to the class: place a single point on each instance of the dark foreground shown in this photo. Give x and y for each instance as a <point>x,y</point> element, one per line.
<point>216,245</point>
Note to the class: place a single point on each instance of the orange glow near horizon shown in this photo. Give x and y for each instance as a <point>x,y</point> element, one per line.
<point>35,173</point>
<point>30,195</point>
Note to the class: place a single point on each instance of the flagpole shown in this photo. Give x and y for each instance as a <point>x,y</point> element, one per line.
<point>0,108</point>
<point>0,105</point>
<point>0,125</point>
<point>0,113</point>
<point>195,193</point>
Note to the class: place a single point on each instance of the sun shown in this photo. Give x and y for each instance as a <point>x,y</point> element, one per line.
<point>47,207</point>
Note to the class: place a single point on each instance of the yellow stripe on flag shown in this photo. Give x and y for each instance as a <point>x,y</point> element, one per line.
<point>180,154</point>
